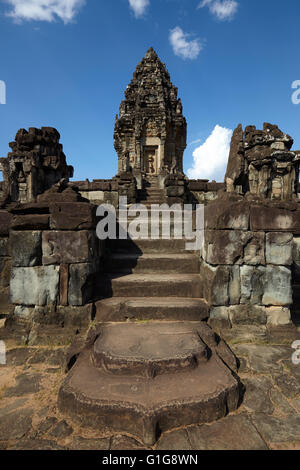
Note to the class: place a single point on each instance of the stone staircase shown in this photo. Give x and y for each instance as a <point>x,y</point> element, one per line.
<point>151,363</point>
<point>152,193</point>
<point>151,277</point>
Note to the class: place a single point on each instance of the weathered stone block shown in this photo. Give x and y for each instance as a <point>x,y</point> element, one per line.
<point>247,315</point>
<point>219,313</point>
<point>252,284</point>
<point>277,316</point>
<point>296,250</point>
<point>4,247</point>
<point>215,284</point>
<point>76,316</point>
<point>5,220</point>
<point>35,285</point>
<point>5,306</point>
<point>30,222</point>
<point>224,246</point>
<point>31,208</point>
<point>26,248</point>
<point>72,216</point>
<point>68,247</point>
<point>221,285</point>
<point>279,248</point>
<point>254,252</point>
<point>80,283</point>
<point>224,215</point>
<point>277,286</point>
<point>234,285</point>
<point>175,191</point>
<point>5,268</point>
<point>63,284</point>
<point>25,313</point>
<point>274,219</point>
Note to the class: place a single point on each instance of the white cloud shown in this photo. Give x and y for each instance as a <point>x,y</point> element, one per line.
<point>210,159</point>
<point>44,10</point>
<point>139,7</point>
<point>182,46</point>
<point>222,9</point>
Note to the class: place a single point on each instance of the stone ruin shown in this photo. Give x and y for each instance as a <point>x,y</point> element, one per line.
<point>35,164</point>
<point>262,164</point>
<point>145,316</point>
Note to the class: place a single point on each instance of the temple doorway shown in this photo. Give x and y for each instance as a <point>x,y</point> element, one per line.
<point>151,160</point>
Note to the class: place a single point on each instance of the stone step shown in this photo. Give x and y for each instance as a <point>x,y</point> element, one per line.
<point>148,246</point>
<point>154,285</point>
<point>161,230</point>
<point>163,218</point>
<point>153,189</point>
<point>153,197</point>
<point>154,192</point>
<point>162,212</point>
<point>151,201</point>
<point>118,309</point>
<point>152,262</point>
<point>162,375</point>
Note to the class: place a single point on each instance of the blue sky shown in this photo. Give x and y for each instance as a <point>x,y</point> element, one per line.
<point>67,63</point>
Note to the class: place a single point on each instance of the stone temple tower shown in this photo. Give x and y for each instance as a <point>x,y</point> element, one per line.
<point>150,131</point>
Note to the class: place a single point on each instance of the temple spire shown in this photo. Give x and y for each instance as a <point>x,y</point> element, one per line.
<point>151,54</point>
<point>150,132</point>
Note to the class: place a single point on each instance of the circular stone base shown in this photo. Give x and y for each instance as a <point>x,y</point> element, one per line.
<point>144,405</point>
<point>148,349</point>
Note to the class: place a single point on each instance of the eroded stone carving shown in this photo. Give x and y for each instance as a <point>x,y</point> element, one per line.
<point>262,164</point>
<point>35,164</point>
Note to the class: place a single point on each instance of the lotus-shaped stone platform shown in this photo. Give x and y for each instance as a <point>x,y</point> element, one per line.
<point>147,378</point>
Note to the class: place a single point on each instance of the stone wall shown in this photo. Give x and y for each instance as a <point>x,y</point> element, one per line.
<point>5,262</point>
<point>296,277</point>
<point>197,191</point>
<point>108,191</point>
<point>247,260</point>
<point>99,191</point>
<point>55,256</point>
<point>204,191</point>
